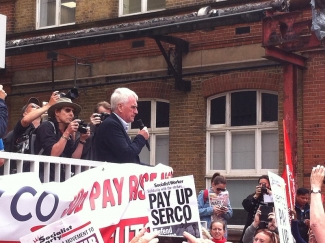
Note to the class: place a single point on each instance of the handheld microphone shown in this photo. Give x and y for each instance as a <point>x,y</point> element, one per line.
<point>141,126</point>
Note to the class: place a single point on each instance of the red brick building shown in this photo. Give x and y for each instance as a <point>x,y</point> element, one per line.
<point>212,88</point>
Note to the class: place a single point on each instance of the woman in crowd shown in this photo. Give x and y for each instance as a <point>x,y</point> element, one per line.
<point>207,209</point>
<point>266,236</point>
<point>217,231</point>
<point>248,236</point>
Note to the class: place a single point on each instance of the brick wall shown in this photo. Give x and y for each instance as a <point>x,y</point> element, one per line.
<point>25,15</point>
<point>7,7</point>
<point>313,114</point>
<point>88,11</point>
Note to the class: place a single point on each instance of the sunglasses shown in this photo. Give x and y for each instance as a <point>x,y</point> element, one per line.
<point>68,110</point>
<point>34,106</point>
<point>221,189</point>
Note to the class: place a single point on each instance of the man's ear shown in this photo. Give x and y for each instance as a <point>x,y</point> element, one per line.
<point>119,107</point>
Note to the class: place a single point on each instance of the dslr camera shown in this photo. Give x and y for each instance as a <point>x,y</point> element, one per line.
<point>102,115</point>
<point>82,127</point>
<point>72,94</point>
<point>263,188</point>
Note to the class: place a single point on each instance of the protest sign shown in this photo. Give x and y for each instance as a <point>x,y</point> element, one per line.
<point>281,207</point>
<point>172,206</point>
<point>219,200</point>
<point>112,196</point>
<point>73,229</point>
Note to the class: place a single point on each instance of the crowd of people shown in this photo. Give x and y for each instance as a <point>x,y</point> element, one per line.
<point>63,134</point>
<point>105,138</point>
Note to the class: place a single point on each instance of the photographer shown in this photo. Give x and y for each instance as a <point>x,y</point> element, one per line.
<point>56,137</point>
<point>262,220</point>
<point>255,200</point>
<point>101,112</point>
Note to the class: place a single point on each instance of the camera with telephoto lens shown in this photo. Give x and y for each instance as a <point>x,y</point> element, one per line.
<point>102,115</point>
<point>263,189</point>
<point>82,127</point>
<point>72,94</point>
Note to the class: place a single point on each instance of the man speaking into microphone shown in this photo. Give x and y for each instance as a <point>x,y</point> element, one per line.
<point>112,141</point>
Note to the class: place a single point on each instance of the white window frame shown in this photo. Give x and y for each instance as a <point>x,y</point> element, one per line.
<point>228,130</point>
<point>153,130</point>
<point>143,8</point>
<point>57,17</point>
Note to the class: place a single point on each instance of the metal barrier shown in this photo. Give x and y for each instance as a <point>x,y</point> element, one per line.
<point>42,164</point>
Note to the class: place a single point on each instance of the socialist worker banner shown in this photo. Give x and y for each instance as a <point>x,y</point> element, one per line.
<point>112,196</point>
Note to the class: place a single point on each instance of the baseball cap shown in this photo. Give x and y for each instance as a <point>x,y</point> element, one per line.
<point>30,100</point>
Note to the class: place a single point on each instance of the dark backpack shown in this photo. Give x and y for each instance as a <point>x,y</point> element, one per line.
<point>24,143</point>
<point>21,144</point>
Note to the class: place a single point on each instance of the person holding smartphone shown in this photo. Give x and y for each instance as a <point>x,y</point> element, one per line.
<point>252,202</point>
<point>215,209</point>
<point>264,219</point>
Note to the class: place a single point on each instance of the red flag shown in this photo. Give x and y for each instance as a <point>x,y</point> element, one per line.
<point>288,173</point>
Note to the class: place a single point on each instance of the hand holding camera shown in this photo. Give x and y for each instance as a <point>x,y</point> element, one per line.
<point>97,118</point>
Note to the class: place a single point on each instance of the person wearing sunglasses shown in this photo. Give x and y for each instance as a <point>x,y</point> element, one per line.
<point>252,202</point>
<point>56,137</point>
<point>214,203</point>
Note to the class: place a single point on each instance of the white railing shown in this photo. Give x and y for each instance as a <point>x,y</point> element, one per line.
<point>36,160</point>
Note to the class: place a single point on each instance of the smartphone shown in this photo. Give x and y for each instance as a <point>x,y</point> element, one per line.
<point>171,239</point>
<point>265,210</point>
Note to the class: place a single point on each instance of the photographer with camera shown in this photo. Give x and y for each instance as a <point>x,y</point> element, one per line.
<point>101,111</point>
<point>264,219</point>
<point>255,200</point>
<point>56,137</point>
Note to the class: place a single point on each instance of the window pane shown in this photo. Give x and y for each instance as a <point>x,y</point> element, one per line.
<point>155,4</point>
<point>243,108</point>
<point>162,114</point>
<point>162,150</point>
<point>131,6</point>
<point>144,113</point>
<point>68,11</point>
<point>47,12</point>
<point>144,155</point>
<point>217,161</point>
<point>270,150</point>
<point>238,191</point>
<point>218,110</point>
<point>243,151</point>
<point>269,107</point>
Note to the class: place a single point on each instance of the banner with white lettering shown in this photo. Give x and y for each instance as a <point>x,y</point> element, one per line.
<point>111,195</point>
<point>75,228</point>
<point>172,206</point>
<point>281,207</point>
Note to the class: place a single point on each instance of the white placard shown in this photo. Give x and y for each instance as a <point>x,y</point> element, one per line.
<point>3,25</point>
<point>281,207</point>
<point>172,206</point>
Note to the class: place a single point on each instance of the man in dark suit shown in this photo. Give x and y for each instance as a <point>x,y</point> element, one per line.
<point>112,141</point>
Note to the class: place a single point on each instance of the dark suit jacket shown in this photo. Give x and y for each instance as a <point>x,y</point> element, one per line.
<point>113,143</point>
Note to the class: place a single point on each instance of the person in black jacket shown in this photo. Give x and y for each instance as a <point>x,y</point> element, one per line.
<point>302,208</point>
<point>112,143</point>
<point>253,201</point>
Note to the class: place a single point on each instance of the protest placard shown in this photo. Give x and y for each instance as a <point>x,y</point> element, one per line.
<point>219,200</point>
<point>73,229</point>
<point>111,195</point>
<point>281,207</point>
<point>172,206</point>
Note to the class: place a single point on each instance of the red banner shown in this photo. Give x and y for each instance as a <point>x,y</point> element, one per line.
<point>288,173</point>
